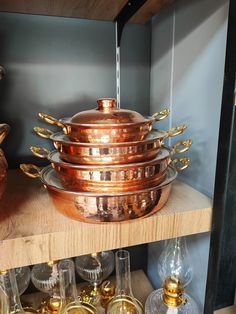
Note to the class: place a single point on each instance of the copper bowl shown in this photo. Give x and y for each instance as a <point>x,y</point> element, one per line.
<point>106,124</point>
<point>100,208</point>
<point>4,129</point>
<point>109,153</point>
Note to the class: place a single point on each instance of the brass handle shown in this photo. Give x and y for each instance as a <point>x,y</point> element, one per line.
<point>2,73</point>
<point>161,114</point>
<point>43,132</point>
<point>185,144</point>
<point>30,170</point>
<point>4,130</point>
<point>39,151</point>
<point>185,161</point>
<point>49,119</point>
<point>177,130</point>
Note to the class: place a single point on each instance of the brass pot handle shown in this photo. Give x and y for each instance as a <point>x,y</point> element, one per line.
<point>177,130</point>
<point>158,116</point>
<point>185,144</point>
<point>4,130</point>
<point>49,119</point>
<point>185,161</point>
<point>30,170</point>
<point>39,151</point>
<point>43,132</point>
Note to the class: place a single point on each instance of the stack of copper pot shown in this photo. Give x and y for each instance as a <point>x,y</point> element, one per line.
<point>109,164</point>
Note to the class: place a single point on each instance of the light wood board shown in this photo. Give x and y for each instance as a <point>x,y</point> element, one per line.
<point>141,287</point>
<point>85,9</point>
<point>32,230</point>
<point>227,310</point>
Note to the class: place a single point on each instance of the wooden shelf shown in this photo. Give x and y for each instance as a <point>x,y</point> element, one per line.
<point>84,9</point>
<point>33,231</point>
<point>141,287</point>
<point>227,310</point>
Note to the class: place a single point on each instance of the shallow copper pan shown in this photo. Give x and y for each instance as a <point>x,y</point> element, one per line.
<point>110,153</point>
<point>106,124</point>
<point>100,208</point>
<point>114,178</point>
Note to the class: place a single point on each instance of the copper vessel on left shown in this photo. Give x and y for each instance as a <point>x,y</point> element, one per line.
<point>4,130</point>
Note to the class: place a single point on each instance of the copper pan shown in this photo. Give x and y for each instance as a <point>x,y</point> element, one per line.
<point>109,153</point>
<point>115,178</point>
<point>4,129</point>
<point>100,208</point>
<point>106,124</point>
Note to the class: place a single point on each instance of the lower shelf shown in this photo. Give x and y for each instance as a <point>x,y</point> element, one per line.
<point>32,231</point>
<point>140,284</point>
<point>227,310</point>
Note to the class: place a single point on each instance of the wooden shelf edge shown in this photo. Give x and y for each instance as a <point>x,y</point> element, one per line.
<point>102,10</point>
<point>34,232</point>
<point>227,310</point>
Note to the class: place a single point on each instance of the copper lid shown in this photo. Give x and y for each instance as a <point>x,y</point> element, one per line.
<point>107,112</point>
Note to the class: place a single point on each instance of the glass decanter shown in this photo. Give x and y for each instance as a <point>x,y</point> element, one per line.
<point>171,299</point>
<point>15,306</point>
<point>175,261</point>
<point>70,302</point>
<point>123,301</point>
<point>94,268</point>
<point>45,278</point>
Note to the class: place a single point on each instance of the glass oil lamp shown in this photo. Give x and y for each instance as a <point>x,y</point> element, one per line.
<point>22,279</point>
<point>123,301</point>
<point>171,299</point>
<point>4,305</point>
<point>94,268</point>
<point>175,269</point>
<point>15,306</point>
<point>70,303</point>
<point>45,278</point>
<point>175,261</point>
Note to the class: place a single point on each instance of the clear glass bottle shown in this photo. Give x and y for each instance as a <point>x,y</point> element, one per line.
<point>123,301</point>
<point>15,307</point>
<point>171,299</point>
<point>175,261</point>
<point>70,303</point>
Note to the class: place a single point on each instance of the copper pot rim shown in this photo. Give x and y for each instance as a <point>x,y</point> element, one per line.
<point>67,121</point>
<point>151,137</point>
<point>49,174</point>
<point>163,154</point>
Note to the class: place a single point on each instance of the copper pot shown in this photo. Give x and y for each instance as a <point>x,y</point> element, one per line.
<point>4,129</point>
<point>100,208</point>
<point>114,178</point>
<point>109,153</point>
<point>106,124</point>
